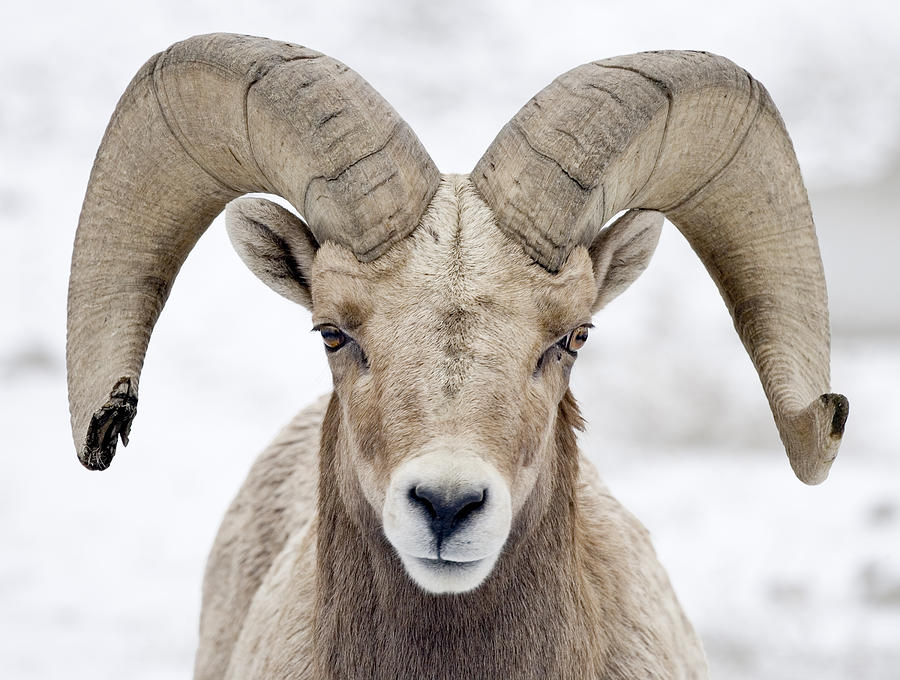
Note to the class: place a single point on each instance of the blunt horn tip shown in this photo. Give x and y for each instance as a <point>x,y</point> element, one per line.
<point>813,437</point>
<point>110,422</point>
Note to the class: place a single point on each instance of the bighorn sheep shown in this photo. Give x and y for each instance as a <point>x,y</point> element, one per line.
<point>433,517</point>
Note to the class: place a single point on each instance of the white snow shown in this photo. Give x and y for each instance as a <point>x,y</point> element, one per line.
<point>100,573</point>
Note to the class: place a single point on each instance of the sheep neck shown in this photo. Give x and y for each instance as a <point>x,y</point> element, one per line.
<point>372,622</point>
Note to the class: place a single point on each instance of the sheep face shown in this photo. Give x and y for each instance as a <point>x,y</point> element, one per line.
<point>450,356</point>
<point>449,364</point>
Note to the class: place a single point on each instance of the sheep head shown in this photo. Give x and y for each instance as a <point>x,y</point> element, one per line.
<point>451,308</point>
<point>451,356</point>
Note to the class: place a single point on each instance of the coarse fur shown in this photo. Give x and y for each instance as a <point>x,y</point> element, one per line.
<point>305,584</point>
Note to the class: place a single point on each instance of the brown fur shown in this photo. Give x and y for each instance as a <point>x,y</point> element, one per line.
<point>577,593</point>
<point>307,586</point>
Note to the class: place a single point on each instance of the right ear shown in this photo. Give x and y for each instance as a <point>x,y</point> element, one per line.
<point>275,244</point>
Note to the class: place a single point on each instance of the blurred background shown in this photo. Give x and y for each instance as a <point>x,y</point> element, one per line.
<point>100,575</point>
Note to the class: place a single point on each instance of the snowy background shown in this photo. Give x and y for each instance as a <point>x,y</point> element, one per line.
<point>100,573</point>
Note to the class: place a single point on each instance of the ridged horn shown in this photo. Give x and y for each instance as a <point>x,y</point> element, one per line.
<point>209,119</point>
<point>694,136</point>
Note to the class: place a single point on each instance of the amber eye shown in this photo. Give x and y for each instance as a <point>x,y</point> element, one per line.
<point>576,339</point>
<point>333,337</point>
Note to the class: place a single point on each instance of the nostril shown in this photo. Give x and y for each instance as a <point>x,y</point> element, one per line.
<point>470,504</point>
<point>422,498</point>
<point>447,510</point>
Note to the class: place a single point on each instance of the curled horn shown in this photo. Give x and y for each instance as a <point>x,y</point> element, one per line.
<point>207,120</point>
<point>694,136</point>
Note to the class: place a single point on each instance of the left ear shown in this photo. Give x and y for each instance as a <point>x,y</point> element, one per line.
<point>622,251</point>
<point>275,244</point>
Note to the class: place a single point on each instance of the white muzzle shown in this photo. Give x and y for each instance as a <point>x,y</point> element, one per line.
<point>447,513</point>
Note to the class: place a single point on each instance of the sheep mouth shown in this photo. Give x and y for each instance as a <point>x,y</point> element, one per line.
<point>441,563</point>
<point>442,576</point>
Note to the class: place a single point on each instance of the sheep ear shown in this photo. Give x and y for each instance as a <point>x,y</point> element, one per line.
<point>275,244</point>
<point>622,251</point>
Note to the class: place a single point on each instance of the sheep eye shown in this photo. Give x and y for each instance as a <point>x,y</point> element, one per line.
<point>575,340</point>
<point>333,337</point>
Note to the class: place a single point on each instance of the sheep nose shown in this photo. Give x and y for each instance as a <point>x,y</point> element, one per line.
<point>448,509</point>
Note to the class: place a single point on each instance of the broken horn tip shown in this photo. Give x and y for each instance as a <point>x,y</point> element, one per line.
<point>109,423</point>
